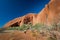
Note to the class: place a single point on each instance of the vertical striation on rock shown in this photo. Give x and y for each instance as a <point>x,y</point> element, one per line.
<point>50,14</point>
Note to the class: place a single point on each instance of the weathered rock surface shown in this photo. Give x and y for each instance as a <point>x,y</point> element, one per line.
<point>26,19</point>
<point>49,15</point>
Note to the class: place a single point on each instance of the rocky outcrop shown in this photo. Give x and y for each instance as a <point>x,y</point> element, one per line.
<point>49,15</point>
<point>26,19</point>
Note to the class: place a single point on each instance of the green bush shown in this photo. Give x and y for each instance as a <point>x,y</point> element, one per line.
<point>37,27</point>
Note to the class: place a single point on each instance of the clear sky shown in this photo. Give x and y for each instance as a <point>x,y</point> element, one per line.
<point>10,9</point>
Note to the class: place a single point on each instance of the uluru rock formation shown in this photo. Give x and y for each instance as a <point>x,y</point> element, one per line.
<point>26,19</point>
<point>49,15</point>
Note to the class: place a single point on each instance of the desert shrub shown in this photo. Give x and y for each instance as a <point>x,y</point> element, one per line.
<point>52,38</point>
<point>36,27</point>
<point>54,26</point>
<point>13,28</point>
<point>22,28</point>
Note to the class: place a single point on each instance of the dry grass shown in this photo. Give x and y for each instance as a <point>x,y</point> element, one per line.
<point>37,32</point>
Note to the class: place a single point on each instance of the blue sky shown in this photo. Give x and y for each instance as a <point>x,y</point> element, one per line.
<point>10,9</point>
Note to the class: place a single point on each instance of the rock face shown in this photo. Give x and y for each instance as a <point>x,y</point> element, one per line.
<point>49,15</point>
<point>26,19</point>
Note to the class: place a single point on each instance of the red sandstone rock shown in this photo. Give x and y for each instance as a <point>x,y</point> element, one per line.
<point>26,19</point>
<point>49,15</point>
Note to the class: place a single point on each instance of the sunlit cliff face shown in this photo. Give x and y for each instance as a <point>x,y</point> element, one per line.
<point>50,14</point>
<point>54,11</point>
